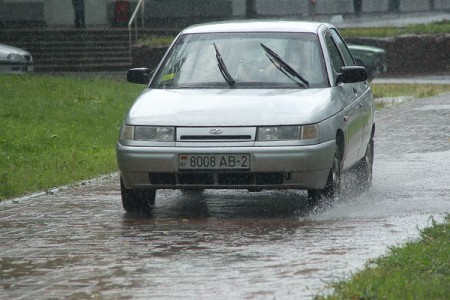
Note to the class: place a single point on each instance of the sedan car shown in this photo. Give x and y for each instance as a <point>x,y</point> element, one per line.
<point>372,58</point>
<point>248,105</point>
<point>15,60</point>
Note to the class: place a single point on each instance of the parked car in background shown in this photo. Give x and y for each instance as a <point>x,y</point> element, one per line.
<point>14,60</point>
<point>248,105</point>
<point>372,58</point>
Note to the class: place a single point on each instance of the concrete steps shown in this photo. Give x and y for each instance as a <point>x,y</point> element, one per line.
<point>70,50</point>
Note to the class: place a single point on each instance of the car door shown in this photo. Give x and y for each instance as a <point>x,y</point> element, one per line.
<point>363,94</point>
<point>350,94</point>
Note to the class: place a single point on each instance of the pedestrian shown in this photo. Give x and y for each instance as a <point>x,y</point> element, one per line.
<point>312,8</point>
<point>78,7</point>
<point>357,5</point>
<point>394,6</point>
<point>250,9</point>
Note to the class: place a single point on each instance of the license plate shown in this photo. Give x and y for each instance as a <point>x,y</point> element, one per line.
<point>214,162</point>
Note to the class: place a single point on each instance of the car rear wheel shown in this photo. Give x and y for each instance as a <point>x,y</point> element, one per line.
<point>364,168</point>
<point>137,201</point>
<point>332,189</point>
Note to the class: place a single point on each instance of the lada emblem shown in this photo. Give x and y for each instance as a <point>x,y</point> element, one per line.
<point>215,131</point>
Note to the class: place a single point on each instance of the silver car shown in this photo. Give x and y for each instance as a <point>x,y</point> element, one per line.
<point>14,60</point>
<point>248,105</point>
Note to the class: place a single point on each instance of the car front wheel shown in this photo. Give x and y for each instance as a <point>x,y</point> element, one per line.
<point>137,201</point>
<point>332,189</point>
<point>364,168</point>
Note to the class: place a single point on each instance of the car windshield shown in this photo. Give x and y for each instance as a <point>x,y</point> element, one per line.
<point>241,60</point>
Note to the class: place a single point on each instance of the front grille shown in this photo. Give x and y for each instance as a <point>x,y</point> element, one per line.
<point>269,178</point>
<point>195,178</point>
<point>235,178</point>
<point>216,179</point>
<point>214,137</point>
<point>216,134</point>
<point>162,178</point>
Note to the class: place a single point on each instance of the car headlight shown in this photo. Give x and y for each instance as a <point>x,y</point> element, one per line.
<point>14,57</point>
<point>288,133</point>
<point>147,133</point>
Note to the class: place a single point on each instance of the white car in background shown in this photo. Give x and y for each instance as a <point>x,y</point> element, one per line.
<point>14,60</point>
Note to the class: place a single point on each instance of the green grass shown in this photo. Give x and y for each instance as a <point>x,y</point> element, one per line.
<point>415,90</point>
<point>58,130</point>
<point>156,41</point>
<point>441,27</point>
<point>417,270</point>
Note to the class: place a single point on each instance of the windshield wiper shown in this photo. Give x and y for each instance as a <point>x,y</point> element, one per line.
<point>283,66</point>
<point>223,68</point>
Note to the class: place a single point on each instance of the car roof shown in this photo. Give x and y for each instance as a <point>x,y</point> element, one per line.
<point>257,26</point>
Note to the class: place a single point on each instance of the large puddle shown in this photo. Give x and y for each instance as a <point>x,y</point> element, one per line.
<point>220,244</point>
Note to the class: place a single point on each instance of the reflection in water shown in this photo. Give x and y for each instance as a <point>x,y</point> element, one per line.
<point>229,204</point>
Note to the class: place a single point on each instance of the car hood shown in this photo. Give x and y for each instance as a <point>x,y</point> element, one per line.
<point>232,107</point>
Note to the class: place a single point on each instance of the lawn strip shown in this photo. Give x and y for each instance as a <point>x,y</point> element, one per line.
<point>58,130</point>
<point>417,270</point>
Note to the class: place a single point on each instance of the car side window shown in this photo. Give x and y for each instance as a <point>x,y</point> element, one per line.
<point>342,48</point>
<point>335,56</point>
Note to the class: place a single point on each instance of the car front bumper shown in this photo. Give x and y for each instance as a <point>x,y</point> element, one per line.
<point>282,167</point>
<point>15,68</point>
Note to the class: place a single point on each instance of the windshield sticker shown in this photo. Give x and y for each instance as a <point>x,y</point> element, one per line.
<point>168,77</point>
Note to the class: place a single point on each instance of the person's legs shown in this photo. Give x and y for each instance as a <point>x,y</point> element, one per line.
<point>77,19</point>
<point>78,7</point>
<point>82,18</point>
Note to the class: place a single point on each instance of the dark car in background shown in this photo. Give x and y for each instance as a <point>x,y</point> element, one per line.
<point>14,60</point>
<point>372,58</point>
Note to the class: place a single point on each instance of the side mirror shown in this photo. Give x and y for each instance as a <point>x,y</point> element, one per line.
<point>352,74</point>
<point>139,75</point>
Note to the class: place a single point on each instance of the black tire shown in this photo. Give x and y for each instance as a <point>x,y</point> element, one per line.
<point>137,201</point>
<point>364,168</point>
<point>314,197</point>
<point>332,189</point>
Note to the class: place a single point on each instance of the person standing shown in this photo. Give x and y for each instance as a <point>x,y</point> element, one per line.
<point>312,8</point>
<point>78,7</point>
<point>357,4</point>
<point>394,6</point>
<point>250,9</point>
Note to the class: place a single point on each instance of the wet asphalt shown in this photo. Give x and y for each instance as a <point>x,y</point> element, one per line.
<point>76,242</point>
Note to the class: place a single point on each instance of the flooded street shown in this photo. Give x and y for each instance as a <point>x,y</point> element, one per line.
<point>78,243</point>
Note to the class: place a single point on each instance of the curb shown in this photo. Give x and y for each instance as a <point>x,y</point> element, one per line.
<point>55,190</point>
